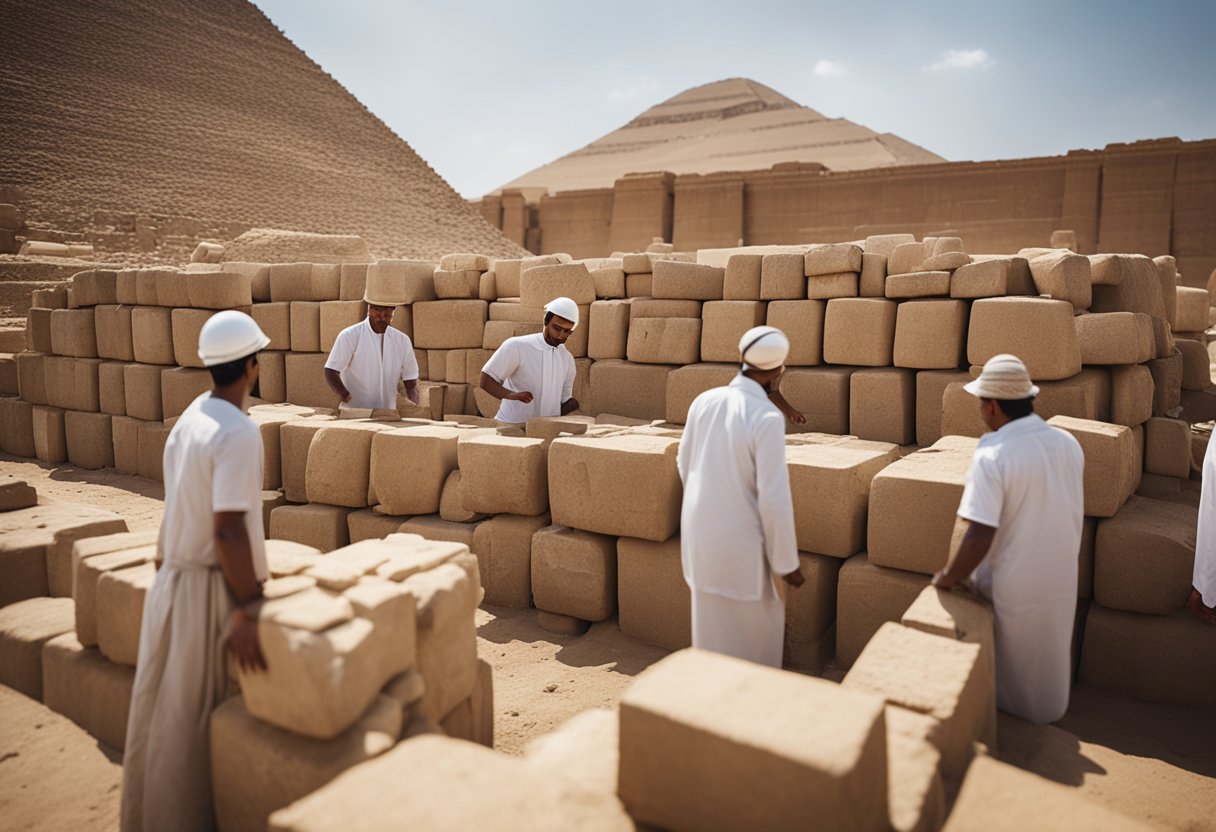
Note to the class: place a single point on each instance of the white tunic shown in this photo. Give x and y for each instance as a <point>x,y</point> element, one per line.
<point>1204,579</point>
<point>212,463</point>
<point>371,364</point>
<point>527,362</point>
<point>737,520</point>
<point>1025,481</point>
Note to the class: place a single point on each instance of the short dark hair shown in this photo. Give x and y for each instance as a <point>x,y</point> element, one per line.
<point>1016,408</point>
<point>548,317</point>
<point>228,372</point>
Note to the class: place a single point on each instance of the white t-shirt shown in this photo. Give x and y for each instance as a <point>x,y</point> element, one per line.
<point>1026,481</point>
<point>527,362</point>
<point>212,463</point>
<point>371,364</point>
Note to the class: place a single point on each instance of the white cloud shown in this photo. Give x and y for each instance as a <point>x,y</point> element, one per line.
<point>962,59</point>
<point>828,69</point>
<point>638,86</point>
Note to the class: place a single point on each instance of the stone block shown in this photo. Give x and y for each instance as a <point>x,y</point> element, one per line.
<point>90,439</point>
<point>930,334</point>
<point>608,329</point>
<point>1112,466</point>
<point>50,435</point>
<point>322,527</point>
<point>1167,383</point>
<point>272,376</point>
<point>17,427</point>
<point>1040,332</point>
<point>449,324</point>
<point>832,258</point>
<point>684,384</point>
<point>781,277</point>
<point>931,388</point>
<point>831,488</point>
<point>145,287</point>
<point>1114,338</point>
<point>655,604</point>
<point>447,642</point>
<point>1196,365</point>
<point>337,315</point>
<point>859,331</point>
<point>338,470</point>
<point>540,284</point>
<point>687,281</point>
<point>38,330</point>
<point>802,323</point>
<point>664,308</point>
<point>1085,396</point>
<point>742,277</point>
<point>151,443</point>
<point>723,323</point>
<point>1144,555</point>
<point>574,573</point>
<point>219,290</point>
<point>74,332</point>
<point>683,764</point>
<point>81,684</point>
<point>410,465</point>
<point>829,286</point>
<point>946,261</point>
<point>505,559</point>
<point>152,335</point>
<point>885,244</point>
<point>9,384</point>
<point>1065,276</point>
<point>624,388</point>
<point>295,440</point>
<point>114,337</point>
<point>981,279</point>
<point>71,383</point>
<point>664,340</point>
<point>457,284</point>
<point>582,752</point>
<point>125,433</point>
<point>882,405</point>
<point>1192,304</point>
<point>451,502</point>
<point>111,388</point>
<point>872,281</point>
<point>913,503</point>
<point>906,257</point>
<point>120,597</point>
<point>172,288</point>
<point>609,282</point>
<point>1167,444</point>
<point>31,377</point>
<point>352,281</point>
<point>504,474</point>
<point>810,615</point>
<point>291,282</point>
<point>28,535</point>
<point>275,321</point>
<point>16,494</point>
<point>918,285</point>
<point>305,380</point>
<point>25,626</point>
<point>821,394</point>
<point>305,319</point>
<point>180,386</point>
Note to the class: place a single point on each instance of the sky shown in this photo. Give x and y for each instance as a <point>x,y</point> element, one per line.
<point>485,91</point>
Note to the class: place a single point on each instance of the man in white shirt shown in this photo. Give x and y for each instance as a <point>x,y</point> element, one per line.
<point>1202,601</point>
<point>207,591</point>
<point>370,357</point>
<point>1024,506</point>
<point>737,521</point>
<point>533,375</point>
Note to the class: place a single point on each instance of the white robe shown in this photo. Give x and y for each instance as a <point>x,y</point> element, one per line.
<point>1025,481</point>
<point>1204,578</point>
<point>737,521</point>
<point>527,362</point>
<point>212,463</point>
<point>371,364</point>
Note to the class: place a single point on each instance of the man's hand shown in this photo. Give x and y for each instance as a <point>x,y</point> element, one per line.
<point>241,636</point>
<point>796,417</point>
<point>346,398</point>
<point>942,581</point>
<point>521,396</point>
<point>794,578</point>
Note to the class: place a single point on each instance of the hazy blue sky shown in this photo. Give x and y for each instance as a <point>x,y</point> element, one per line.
<point>485,91</point>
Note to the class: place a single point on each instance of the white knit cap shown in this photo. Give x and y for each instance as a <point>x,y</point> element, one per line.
<point>764,347</point>
<point>1004,377</point>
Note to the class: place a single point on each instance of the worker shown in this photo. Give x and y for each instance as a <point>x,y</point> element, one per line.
<point>1202,601</point>
<point>207,592</point>
<point>737,521</point>
<point>533,375</point>
<point>370,357</point>
<point>1023,506</point>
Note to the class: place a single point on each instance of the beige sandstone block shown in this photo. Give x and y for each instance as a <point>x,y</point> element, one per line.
<point>916,794</point>
<point>187,324</point>
<point>145,287</point>
<point>1196,365</point>
<point>409,467</point>
<point>574,573</point>
<point>449,324</point>
<point>82,685</point>
<point>918,285</point>
<point>322,527</point>
<point>832,258</point>
<point>664,340</point>
<point>89,439</point>
<point>71,383</point>
<point>1114,338</point>
<point>352,281</point>
<point>930,334</point>
<point>828,286</point>
<point>802,323</point>
<point>504,474</point>
<point>742,277</point>
<point>684,384</point>
<point>821,394</point>
<point>1040,332</point>
<point>180,386</point>
<point>882,405</point>
<point>25,626</point>
<point>981,279</point>
<point>125,433</point>
<point>608,329</point>
<point>1192,305</point>
<point>172,287</point>
<point>120,606</point>
<point>609,282</point>
<point>1112,466</point>
<point>219,290</point>
<point>859,331</point>
<point>151,443</point>
<point>50,435</point>
<point>906,258</point>
<point>1065,276</point>
<point>305,380</point>
<point>337,315</point>
<point>9,384</point>
<point>885,244</point>
<point>295,440</point>
<point>1167,383</point>
<point>810,615</point>
<point>113,327</point>
<point>31,377</point>
<point>446,635</point>
<point>504,560</point>
<point>872,281</point>
<point>664,308</point>
<point>457,284</point>
<point>497,332</point>
<point>1167,445</point>
<point>516,312</point>
<point>275,320</point>
<point>290,282</point>
<point>582,752</point>
<point>16,494</point>
<point>305,326</point>
<point>723,323</point>
<point>682,764</point>
<point>830,484</point>
<point>623,388</point>
<point>1144,555</point>
<point>366,524</point>
<point>687,281</point>
<point>1167,274</point>
<point>946,261</point>
<point>1138,289</point>
<point>74,332</point>
<point>272,376</point>
<point>655,604</point>
<point>540,284</point>
<point>38,330</point>
<point>451,502</point>
<point>782,277</point>
<point>931,388</point>
<point>338,470</point>
<point>152,334</point>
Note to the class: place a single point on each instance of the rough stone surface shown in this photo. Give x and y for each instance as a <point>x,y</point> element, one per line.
<point>882,405</point>
<point>409,467</point>
<point>574,573</point>
<point>1112,466</point>
<point>830,484</point>
<point>25,627</point>
<point>81,684</point>
<point>322,527</point>
<point>654,600</point>
<point>930,334</point>
<point>859,331</point>
<point>1143,557</point>
<point>1040,332</point>
<point>866,597</point>
<point>503,475</point>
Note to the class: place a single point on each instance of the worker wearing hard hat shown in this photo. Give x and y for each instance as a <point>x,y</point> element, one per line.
<point>737,522</point>
<point>369,358</point>
<point>207,591</point>
<point>534,374</point>
<point>1023,507</point>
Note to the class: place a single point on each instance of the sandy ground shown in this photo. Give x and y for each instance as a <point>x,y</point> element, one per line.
<point>1152,762</point>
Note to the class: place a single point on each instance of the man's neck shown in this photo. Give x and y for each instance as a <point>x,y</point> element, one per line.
<point>233,393</point>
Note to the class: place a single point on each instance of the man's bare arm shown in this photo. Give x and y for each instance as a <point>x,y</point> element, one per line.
<point>569,405</point>
<point>976,542</point>
<point>334,379</point>
<point>411,390</point>
<point>235,554</point>
<point>491,386</point>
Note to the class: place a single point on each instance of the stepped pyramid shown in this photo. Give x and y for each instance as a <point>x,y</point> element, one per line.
<point>730,125</point>
<point>206,110</point>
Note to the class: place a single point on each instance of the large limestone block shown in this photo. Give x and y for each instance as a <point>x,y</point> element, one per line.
<point>709,742</point>
<point>504,474</point>
<point>24,628</point>
<point>113,326</point>
<point>1196,365</point>
<point>219,290</point>
<point>885,244</point>
<point>1138,289</point>
<point>687,281</point>
<point>257,769</point>
<point>916,794</point>
<point>274,320</point>
<point>913,503</point>
<point>867,596</point>
<point>152,335</point>
<point>684,384</point>
<point>882,405</point>
<point>337,315</point>
<point>918,284</point>
<point>1040,332</point>
<point>16,494</point>
<point>408,281</point>
<point>1193,305</point>
<point>446,599</point>
<point>821,394</point>
<point>810,615</point>
<point>828,286</point>
<point>31,377</point>
<point>449,324</point>
<point>325,665</point>
<point>942,678</point>
<point>74,332</point>
<point>172,287</point>
<point>151,447</point>
<point>410,465</point>
<point>832,258</point>
<point>305,326</point>
<point>582,752</point>
<point>664,340</point>
<point>741,280</point>
<point>906,257</point>
<point>38,330</point>
<point>1144,557</point>
<point>295,441</point>
<point>930,334</point>
<point>609,282</point>
<point>830,484</point>
<point>931,386</point>
<point>608,329</point>
<point>625,484</point>
<point>1167,445</point>
<point>435,528</point>
<point>802,323</point>
<point>322,527</point>
<point>540,284</point>
<point>505,559</point>
<point>81,684</point>
<point>981,279</point>
<point>120,608</point>
<point>187,324</point>
<point>457,284</point>
<point>1167,383</point>
<point>338,470</point>
<point>859,331</point>
<point>1065,276</point>
<point>17,427</point>
<point>1112,466</point>
<point>451,502</point>
<point>872,280</point>
<point>305,376</point>
<point>723,323</point>
<point>180,386</point>
<point>574,573</point>
<point>88,568</point>
<point>626,388</point>
<point>654,600</point>
<point>142,387</point>
<point>28,535</point>
<point>664,308</point>
<point>50,435</point>
<point>90,440</point>
<point>782,278</point>
<point>71,383</point>
<point>1115,338</point>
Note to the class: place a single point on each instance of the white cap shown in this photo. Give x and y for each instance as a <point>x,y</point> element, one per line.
<point>563,308</point>
<point>1004,377</point>
<point>229,335</point>
<point>764,347</point>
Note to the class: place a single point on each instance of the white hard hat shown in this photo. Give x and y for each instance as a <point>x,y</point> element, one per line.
<point>764,347</point>
<point>1004,377</point>
<point>229,335</point>
<point>563,308</point>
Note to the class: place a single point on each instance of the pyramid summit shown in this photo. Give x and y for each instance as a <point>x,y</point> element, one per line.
<point>731,125</point>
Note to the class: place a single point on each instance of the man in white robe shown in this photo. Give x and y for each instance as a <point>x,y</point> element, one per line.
<point>207,590</point>
<point>737,520</point>
<point>533,375</point>
<point>369,358</point>
<point>1024,506</point>
<point>1202,601</point>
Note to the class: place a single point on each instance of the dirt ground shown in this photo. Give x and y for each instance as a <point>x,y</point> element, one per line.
<point>1152,762</point>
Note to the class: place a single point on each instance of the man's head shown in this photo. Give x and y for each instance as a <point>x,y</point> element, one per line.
<point>242,371</point>
<point>379,317</point>
<point>561,319</point>
<point>228,344</point>
<point>763,350</point>
<point>1004,390</point>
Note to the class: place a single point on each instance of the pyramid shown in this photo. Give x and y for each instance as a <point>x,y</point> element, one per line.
<point>207,111</point>
<point>731,125</point>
